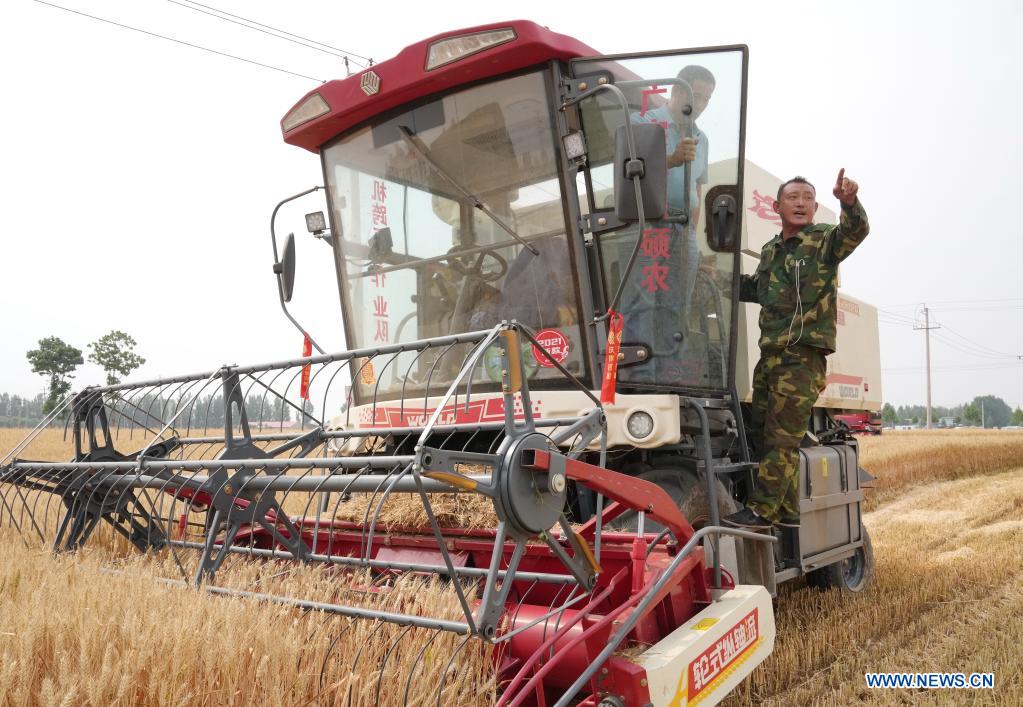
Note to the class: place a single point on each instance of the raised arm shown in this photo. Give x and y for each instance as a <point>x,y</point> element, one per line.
<point>852,228</point>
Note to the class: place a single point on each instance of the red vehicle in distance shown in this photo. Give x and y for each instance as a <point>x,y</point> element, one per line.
<point>861,422</point>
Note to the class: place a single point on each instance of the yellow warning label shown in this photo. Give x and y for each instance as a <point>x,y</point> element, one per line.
<point>704,624</point>
<point>824,467</point>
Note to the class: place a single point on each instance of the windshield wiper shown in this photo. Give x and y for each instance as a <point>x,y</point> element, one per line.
<point>422,151</point>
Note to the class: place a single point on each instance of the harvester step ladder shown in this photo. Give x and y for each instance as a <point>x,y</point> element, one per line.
<point>732,467</point>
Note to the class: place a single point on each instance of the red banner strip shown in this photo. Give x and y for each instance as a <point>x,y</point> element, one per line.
<point>307,350</point>
<point>614,344</point>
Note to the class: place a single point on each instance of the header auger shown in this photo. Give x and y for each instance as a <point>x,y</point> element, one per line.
<point>555,597</point>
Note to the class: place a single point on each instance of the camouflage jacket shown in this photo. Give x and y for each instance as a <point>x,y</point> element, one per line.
<point>807,316</point>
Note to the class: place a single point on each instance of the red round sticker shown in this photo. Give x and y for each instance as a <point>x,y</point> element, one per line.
<point>556,345</point>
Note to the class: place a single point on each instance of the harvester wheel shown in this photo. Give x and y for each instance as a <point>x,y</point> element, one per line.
<point>690,493</point>
<point>686,489</point>
<point>853,574</point>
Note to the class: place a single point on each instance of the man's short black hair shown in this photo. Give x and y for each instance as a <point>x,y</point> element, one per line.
<point>795,180</point>
<point>695,72</point>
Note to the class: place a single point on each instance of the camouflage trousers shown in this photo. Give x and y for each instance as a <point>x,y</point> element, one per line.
<point>786,383</point>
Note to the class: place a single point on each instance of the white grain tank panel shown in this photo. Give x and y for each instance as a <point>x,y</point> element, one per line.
<point>854,370</point>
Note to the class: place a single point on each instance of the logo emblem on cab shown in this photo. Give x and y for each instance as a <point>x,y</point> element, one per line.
<point>370,83</point>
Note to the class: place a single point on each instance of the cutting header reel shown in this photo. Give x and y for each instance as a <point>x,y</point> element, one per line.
<point>555,595</point>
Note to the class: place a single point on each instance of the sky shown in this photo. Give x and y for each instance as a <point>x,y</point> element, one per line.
<point>139,174</point>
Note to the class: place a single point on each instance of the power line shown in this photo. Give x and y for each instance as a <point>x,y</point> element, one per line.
<point>281,31</point>
<point>221,16</point>
<point>1017,301</point>
<point>979,368</point>
<point>895,317</point>
<point>970,346</point>
<point>179,41</point>
<point>983,357</point>
<point>982,308</point>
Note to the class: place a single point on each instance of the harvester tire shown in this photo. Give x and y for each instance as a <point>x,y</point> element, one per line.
<point>690,493</point>
<point>852,575</point>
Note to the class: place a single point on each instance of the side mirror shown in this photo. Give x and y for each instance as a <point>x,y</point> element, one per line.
<point>723,224</point>
<point>285,269</point>
<point>651,164</point>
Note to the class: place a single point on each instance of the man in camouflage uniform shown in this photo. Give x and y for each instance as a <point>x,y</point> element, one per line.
<point>795,285</point>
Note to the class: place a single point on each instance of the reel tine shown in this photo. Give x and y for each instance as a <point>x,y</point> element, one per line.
<point>429,377</point>
<point>447,668</point>
<point>365,533</point>
<point>404,382</point>
<point>8,505</point>
<point>330,649</point>
<point>383,661</point>
<point>559,616</point>
<point>416,663</point>
<point>358,656</point>
<point>380,506</point>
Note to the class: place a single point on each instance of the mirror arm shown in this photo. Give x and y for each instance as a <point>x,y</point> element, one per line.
<point>277,264</point>
<point>633,157</point>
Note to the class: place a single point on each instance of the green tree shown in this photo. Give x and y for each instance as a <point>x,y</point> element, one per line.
<point>996,413</point>
<point>1017,416</point>
<point>58,360</point>
<point>115,354</point>
<point>888,414</point>
<point>971,414</point>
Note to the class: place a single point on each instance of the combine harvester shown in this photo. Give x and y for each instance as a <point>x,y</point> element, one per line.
<point>512,287</point>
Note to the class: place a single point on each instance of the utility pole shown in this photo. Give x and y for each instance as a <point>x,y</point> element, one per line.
<point>927,338</point>
<point>983,425</point>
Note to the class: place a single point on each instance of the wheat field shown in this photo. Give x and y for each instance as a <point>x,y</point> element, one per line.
<point>946,520</point>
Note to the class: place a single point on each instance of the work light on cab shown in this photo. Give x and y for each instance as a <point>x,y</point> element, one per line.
<point>316,223</point>
<point>454,48</point>
<point>575,146</point>
<point>312,107</point>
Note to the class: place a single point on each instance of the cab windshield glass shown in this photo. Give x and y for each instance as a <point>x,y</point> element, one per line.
<point>418,259</point>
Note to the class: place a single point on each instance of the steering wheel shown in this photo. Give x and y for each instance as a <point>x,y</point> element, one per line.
<point>480,268</point>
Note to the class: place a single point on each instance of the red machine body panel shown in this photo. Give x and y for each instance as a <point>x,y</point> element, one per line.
<point>404,79</point>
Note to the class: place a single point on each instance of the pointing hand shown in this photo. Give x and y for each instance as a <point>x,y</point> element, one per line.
<point>845,189</point>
